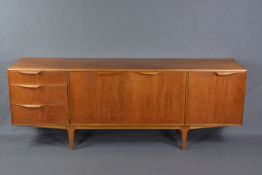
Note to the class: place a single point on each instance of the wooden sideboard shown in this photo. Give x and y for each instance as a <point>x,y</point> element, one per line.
<point>173,94</point>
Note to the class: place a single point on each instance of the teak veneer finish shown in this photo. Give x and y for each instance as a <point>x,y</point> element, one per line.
<point>179,94</point>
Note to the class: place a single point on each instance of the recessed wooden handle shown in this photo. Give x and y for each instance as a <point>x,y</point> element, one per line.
<point>29,72</point>
<point>224,73</point>
<point>29,86</point>
<point>31,106</point>
<point>106,73</point>
<point>148,72</point>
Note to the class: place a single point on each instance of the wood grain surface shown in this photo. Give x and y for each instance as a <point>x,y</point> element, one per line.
<point>124,64</point>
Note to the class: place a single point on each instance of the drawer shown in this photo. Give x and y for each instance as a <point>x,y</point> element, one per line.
<point>38,94</point>
<point>39,114</point>
<point>37,77</point>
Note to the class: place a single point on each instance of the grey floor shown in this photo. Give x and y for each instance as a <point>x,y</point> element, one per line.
<point>27,151</point>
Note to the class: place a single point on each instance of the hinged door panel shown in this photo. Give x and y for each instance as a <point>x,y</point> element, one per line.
<point>97,97</point>
<point>216,98</point>
<point>156,97</point>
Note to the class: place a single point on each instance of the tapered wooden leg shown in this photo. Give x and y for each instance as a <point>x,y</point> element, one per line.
<point>184,134</point>
<point>71,137</point>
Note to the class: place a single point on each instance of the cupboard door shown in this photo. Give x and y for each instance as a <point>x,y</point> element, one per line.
<point>97,97</point>
<point>156,97</point>
<point>215,98</point>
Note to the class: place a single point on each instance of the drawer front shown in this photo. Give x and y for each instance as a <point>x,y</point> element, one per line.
<point>215,98</point>
<point>38,94</point>
<point>37,77</point>
<point>39,114</point>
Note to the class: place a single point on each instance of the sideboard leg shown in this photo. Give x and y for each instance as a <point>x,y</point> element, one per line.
<point>184,134</point>
<point>71,137</point>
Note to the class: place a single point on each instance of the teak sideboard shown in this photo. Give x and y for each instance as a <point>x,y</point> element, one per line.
<point>173,94</point>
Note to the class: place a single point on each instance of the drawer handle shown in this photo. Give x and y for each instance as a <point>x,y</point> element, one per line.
<point>30,72</point>
<point>29,86</point>
<point>224,73</point>
<point>31,106</point>
<point>148,73</point>
<point>106,73</point>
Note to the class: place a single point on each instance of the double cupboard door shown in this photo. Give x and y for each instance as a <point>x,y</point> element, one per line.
<point>127,97</point>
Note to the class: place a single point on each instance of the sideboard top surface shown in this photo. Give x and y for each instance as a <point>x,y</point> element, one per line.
<point>81,64</point>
